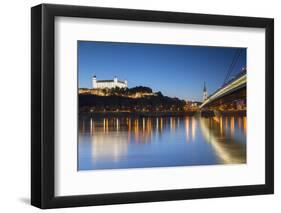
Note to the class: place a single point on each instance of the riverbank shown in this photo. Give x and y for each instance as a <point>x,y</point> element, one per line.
<point>211,113</point>
<point>161,114</point>
<point>134,114</point>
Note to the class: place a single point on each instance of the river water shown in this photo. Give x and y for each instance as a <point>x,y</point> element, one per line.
<point>127,142</point>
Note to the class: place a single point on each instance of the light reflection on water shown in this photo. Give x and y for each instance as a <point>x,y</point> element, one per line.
<point>124,142</point>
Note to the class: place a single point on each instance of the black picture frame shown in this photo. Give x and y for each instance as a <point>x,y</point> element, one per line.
<point>43,110</point>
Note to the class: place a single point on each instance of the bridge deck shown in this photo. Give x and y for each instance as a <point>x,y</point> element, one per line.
<point>227,89</point>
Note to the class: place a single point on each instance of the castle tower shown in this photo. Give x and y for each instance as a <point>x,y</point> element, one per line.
<point>94,82</point>
<point>205,93</point>
<point>115,79</point>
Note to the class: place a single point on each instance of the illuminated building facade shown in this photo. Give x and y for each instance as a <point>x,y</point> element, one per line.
<point>102,84</point>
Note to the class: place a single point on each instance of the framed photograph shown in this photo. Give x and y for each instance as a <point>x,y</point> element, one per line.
<point>139,106</point>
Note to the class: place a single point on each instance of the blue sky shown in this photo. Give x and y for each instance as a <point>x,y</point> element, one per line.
<point>175,70</point>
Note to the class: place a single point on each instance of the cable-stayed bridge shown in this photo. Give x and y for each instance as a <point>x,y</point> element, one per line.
<point>236,88</point>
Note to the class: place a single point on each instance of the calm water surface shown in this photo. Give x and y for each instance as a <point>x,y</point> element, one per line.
<point>111,143</point>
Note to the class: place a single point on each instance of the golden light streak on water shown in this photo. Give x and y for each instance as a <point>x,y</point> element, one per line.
<point>216,119</point>
<point>91,126</point>
<point>221,127</point>
<point>136,130</point>
<point>245,124</point>
<point>129,125</point>
<point>193,127</point>
<point>129,129</point>
<point>172,124</point>
<point>157,126</point>
<point>232,126</point>
<point>187,129</point>
<point>104,125</point>
<point>149,128</point>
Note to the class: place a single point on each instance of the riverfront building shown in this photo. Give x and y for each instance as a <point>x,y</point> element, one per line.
<point>102,84</point>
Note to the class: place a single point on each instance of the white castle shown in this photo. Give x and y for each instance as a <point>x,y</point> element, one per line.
<point>102,84</point>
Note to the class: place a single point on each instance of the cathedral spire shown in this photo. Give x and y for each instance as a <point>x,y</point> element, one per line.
<point>205,93</point>
<point>204,89</point>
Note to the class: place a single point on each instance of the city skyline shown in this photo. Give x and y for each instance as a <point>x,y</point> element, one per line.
<point>175,70</point>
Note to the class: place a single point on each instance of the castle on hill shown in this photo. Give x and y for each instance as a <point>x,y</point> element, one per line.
<point>102,84</point>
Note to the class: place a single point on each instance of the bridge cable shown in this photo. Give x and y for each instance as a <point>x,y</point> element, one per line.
<point>233,62</point>
<point>232,65</point>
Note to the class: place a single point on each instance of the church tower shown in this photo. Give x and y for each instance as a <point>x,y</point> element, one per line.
<point>94,82</point>
<point>205,93</point>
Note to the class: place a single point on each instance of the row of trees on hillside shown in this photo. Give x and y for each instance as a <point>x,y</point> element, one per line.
<point>157,102</point>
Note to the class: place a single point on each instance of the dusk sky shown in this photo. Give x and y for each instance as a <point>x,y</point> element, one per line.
<point>175,70</point>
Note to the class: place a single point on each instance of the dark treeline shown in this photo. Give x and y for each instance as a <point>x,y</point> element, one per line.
<point>156,102</point>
